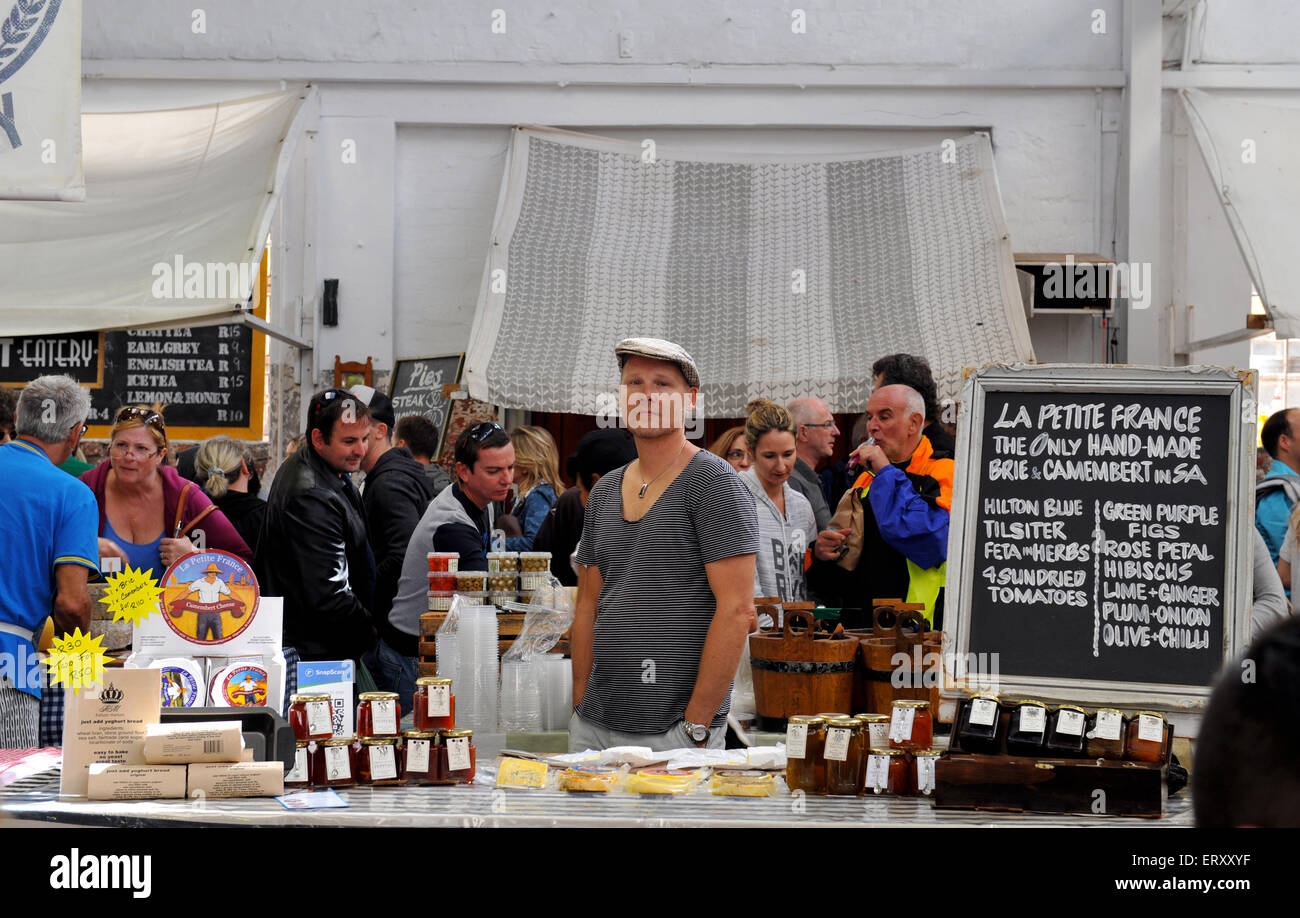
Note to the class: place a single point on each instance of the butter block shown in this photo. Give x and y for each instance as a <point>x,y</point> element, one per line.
<point>237,779</point>
<point>111,781</point>
<point>186,743</point>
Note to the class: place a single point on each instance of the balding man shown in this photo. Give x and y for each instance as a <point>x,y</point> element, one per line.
<point>814,440</point>
<point>889,535</point>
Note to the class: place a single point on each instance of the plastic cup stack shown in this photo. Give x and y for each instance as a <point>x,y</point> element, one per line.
<point>521,697</point>
<point>476,693</point>
<point>557,691</point>
<point>447,647</point>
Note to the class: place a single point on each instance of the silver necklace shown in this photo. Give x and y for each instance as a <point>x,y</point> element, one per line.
<point>645,484</point>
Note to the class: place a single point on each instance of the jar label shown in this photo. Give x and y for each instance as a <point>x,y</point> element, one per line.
<point>900,724</point>
<point>383,762</point>
<point>1108,726</point>
<point>878,773</point>
<point>796,741</point>
<point>1070,723</point>
<point>837,744</point>
<point>453,565</point>
<point>1151,729</point>
<point>383,716</point>
<point>1033,719</point>
<point>439,700</point>
<point>417,756</point>
<point>337,763</point>
<point>983,712</point>
<point>494,565</point>
<point>298,774</point>
<point>879,733</point>
<point>319,719</point>
<point>925,774</point>
<point>458,753</point>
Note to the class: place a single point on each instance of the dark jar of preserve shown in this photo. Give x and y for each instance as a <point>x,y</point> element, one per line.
<point>805,745</point>
<point>1065,731</point>
<point>921,774</point>
<point>419,756</point>
<point>1147,739</point>
<point>886,772</point>
<point>1107,729</point>
<point>311,717</point>
<point>303,754</point>
<point>843,752</point>
<point>434,703</point>
<point>877,727</point>
<point>377,761</point>
<point>911,725</point>
<point>456,756</point>
<point>378,714</point>
<point>336,763</point>
<point>1028,728</point>
<point>979,724</point>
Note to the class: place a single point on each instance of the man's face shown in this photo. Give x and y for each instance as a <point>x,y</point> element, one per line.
<point>896,432</point>
<point>821,433</point>
<point>1289,444</point>
<point>211,576</point>
<point>654,397</point>
<point>377,445</point>
<point>491,477</point>
<point>346,447</point>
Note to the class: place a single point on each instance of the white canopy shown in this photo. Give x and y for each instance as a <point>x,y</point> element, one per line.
<point>177,204</point>
<point>1249,148</point>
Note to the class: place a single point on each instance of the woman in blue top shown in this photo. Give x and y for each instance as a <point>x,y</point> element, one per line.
<point>537,473</point>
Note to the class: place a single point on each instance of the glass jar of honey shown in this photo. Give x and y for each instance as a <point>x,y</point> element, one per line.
<point>311,717</point>
<point>419,756</point>
<point>877,727</point>
<point>1028,728</point>
<point>300,774</point>
<point>434,703</point>
<point>336,763</point>
<point>378,714</point>
<point>456,756</point>
<point>843,753</point>
<point>805,749</point>
<point>979,722</point>
<point>921,773</point>
<point>1066,727</point>
<point>377,761</point>
<point>1107,729</point>
<point>911,725</point>
<point>886,772</point>
<point>1147,739</point>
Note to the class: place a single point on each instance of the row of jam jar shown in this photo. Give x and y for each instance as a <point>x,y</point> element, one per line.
<point>417,757</point>
<point>379,714</point>
<point>1065,731</point>
<point>836,756</point>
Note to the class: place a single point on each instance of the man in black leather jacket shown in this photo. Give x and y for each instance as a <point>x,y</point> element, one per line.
<point>313,549</point>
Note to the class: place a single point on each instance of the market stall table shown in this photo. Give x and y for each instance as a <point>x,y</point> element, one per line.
<point>481,805</point>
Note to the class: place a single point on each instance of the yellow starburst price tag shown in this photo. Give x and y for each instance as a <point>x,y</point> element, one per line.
<point>132,595</point>
<point>76,660</point>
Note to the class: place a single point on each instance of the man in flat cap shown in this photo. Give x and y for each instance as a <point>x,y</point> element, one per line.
<point>666,592</point>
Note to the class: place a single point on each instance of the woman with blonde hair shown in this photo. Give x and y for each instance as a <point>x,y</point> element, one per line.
<point>225,472</point>
<point>731,446</point>
<point>537,473</point>
<point>145,507</point>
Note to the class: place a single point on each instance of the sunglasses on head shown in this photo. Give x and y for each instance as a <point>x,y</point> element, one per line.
<point>482,430</point>
<point>144,415</point>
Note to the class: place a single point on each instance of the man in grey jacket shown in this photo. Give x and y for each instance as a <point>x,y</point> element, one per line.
<point>815,434</point>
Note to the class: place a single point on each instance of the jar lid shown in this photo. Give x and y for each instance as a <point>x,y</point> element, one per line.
<point>303,743</point>
<point>1071,707</point>
<point>379,741</point>
<point>844,723</point>
<point>420,734</point>
<point>929,753</point>
<point>458,731</point>
<point>297,698</point>
<point>433,680</point>
<point>811,720</point>
<point>886,752</point>
<point>991,696</point>
<point>377,696</point>
<point>830,717</point>
<point>339,741</point>
<point>1149,714</point>
<point>911,704</point>
<point>534,554</point>
<point>1112,711</point>
<point>444,554</point>
<point>872,718</point>
<point>1025,701</point>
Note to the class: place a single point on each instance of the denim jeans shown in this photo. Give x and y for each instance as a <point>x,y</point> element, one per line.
<point>395,673</point>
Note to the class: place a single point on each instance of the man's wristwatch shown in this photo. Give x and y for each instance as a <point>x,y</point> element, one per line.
<point>698,733</point>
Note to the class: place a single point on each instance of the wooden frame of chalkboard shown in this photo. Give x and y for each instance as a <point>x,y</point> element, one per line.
<point>1101,533</point>
<point>428,397</point>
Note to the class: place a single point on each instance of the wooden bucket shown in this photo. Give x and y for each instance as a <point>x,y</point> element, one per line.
<point>897,628</point>
<point>769,605</point>
<point>795,673</point>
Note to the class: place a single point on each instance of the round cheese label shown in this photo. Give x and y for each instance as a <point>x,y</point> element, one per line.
<point>182,683</point>
<point>209,597</point>
<point>243,685</point>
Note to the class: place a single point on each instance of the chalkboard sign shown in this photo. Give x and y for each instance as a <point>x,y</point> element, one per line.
<point>1101,543</point>
<point>416,387</point>
<point>209,379</point>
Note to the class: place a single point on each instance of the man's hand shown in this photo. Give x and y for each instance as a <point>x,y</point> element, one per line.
<point>830,544</point>
<point>872,456</point>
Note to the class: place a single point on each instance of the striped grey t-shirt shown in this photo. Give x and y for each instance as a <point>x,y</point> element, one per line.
<point>656,605</point>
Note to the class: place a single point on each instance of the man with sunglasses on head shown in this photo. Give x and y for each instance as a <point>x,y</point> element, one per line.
<point>459,519</point>
<point>313,549</point>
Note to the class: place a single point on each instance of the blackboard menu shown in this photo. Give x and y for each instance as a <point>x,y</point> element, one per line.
<point>1100,535</point>
<point>416,387</point>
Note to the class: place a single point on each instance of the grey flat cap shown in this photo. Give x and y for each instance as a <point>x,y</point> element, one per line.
<point>659,349</point>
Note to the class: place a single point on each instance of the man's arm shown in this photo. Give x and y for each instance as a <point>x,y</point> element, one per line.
<point>582,637</point>
<point>71,607</point>
<point>732,582</point>
<point>916,527</point>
